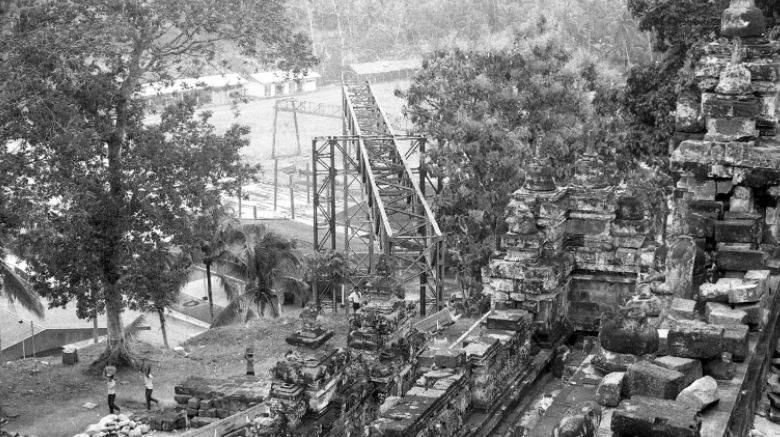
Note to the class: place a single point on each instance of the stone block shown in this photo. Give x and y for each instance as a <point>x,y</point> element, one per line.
<point>649,305</point>
<point>720,106</point>
<point>694,340</point>
<point>759,277</point>
<point>628,337</point>
<point>745,292</point>
<point>683,309</point>
<point>646,379</point>
<point>587,226</point>
<point>702,190</point>
<point>720,370</point>
<point>713,293</point>
<point>680,267</point>
<point>755,313</point>
<point>608,362</point>
<point>181,399</point>
<point>689,367</point>
<point>740,259</point>
<point>731,129</point>
<point>610,389</point>
<point>701,394</point>
<point>720,314</point>
<point>643,416</point>
<point>737,231</point>
<point>736,341</point>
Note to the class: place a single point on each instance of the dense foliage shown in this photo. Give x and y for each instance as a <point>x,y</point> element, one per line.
<point>491,111</point>
<point>110,192</point>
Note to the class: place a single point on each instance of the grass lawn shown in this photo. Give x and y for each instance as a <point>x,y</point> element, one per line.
<point>46,399</point>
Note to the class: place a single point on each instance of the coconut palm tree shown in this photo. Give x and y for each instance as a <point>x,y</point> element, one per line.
<point>15,288</point>
<point>216,231</point>
<point>269,267</point>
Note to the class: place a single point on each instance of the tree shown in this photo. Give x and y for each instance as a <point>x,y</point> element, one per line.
<point>490,112</point>
<point>160,279</point>
<point>110,189</point>
<point>269,267</point>
<point>328,269</point>
<point>215,230</point>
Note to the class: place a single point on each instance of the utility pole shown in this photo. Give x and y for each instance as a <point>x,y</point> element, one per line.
<point>32,337</point>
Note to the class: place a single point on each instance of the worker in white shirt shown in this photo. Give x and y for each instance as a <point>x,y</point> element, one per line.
<point>149,388</point>
<point>111,388</point>
<point>355,297</point>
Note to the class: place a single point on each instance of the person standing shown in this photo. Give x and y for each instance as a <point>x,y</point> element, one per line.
<point>111,388</point>
<point>249,355</point>
<point>354,297</point>
<point>149,388</point>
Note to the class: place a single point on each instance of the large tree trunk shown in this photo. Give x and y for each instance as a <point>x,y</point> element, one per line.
<point>114,318</point>
<point>161,314</point>
<point>208,287</point>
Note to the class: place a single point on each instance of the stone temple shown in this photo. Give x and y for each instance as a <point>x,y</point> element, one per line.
<point>608,315</point>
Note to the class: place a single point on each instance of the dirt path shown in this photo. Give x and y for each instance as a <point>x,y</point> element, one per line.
<point>45,398</point>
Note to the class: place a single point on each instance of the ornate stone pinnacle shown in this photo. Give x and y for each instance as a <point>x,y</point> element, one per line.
<point>742,19</point>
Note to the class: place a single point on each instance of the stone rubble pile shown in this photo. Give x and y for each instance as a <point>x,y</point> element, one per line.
<point>116,425</point>
<point>209,398</point>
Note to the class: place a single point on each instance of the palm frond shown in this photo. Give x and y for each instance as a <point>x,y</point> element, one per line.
<point>18,290</point>
<point>232,313</point>
<point>230,285</point>
<point>130,333</point>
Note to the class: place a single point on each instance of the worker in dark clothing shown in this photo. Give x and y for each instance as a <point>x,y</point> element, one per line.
<point>250,361</point>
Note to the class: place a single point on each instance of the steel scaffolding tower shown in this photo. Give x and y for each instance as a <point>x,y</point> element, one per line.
<point>364,184</point>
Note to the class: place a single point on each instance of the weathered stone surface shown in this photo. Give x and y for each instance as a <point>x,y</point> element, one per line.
<point>694,340</point>
<point>648,379</point>
<point>713,293</point>
<point>650,304</point>
<point>720,106</point>
<point>760,278</point>
<point>720,370</point>
<point>608,362</point>
<point>680,266</point>
<point>640,416</point>
<point>740,259</point>
<point>689,367</point>
<point>746,292</point>
<point>736,341</point>
<point>701,394</point>
<point>755,313</point>
<point>742,19</point>
<point>730,129</point>
<point>610,389</point>
<point>737,231</point>
<point>584,423</point>
<point>625,336</point>
<point>683,309</point>
<point>720,314</point>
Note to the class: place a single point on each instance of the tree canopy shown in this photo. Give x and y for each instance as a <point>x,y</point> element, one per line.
<point>490,111</point>
<point>109,191</point>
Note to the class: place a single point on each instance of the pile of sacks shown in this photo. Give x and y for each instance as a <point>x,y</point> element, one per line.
<point>115,425</point>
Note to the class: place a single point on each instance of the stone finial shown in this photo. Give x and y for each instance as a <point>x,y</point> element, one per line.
<point>742,19</point>
<point>539,177</point>
<point>589,170</point>
<point>735,78</point>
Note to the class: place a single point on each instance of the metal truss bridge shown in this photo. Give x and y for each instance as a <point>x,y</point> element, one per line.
<point>369,192</point>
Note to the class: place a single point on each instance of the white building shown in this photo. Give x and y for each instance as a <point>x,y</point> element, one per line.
<point>216,89</point>
<point>280,83</point>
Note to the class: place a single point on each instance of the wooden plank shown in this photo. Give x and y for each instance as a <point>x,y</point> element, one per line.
<point>227,425</point>
<point>752,389</point>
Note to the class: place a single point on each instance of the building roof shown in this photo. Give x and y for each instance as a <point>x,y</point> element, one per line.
<point>275,76</point>
<point>386,66</point>
<point>216,81</point>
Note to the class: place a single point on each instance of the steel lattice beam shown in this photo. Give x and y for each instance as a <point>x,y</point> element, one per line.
<point>392,216</point>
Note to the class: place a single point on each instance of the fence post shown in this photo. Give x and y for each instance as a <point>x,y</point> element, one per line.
<point>292,197</point>
<point>276,181</point>
<point>308,184</point>
<point>254,211</point>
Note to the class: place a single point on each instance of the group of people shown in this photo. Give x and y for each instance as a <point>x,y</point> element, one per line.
<point>111,389</point>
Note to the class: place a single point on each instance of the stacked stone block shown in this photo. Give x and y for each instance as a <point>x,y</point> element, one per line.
<point>729,163</point>
<point>220,398</point>
<point>307,380</point>
<point>571,252</point>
